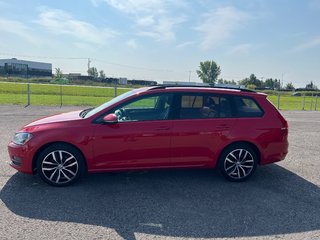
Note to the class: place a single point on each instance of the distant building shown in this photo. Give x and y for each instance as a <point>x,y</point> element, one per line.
<point>142,82</point>
<point>74,75</point>
<point>123,81</point>
<point>21,68</point>
<point>185,83</point>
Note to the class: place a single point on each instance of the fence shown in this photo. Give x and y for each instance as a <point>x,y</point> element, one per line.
<point>59,95</point>
<point>287,101</point>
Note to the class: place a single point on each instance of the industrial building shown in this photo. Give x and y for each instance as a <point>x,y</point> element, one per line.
<point>21,68</point>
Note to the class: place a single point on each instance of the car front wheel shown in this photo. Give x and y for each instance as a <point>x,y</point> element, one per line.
<point>238,162</point>
<point>60,165</point>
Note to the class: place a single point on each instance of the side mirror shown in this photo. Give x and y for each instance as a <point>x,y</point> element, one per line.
<point>110,118</point>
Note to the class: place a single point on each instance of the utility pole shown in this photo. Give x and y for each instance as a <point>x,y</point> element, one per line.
<point>89,61</point>
<point>28,86</point>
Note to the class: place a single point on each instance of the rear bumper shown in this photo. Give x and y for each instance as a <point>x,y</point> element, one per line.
<point>275,152</point>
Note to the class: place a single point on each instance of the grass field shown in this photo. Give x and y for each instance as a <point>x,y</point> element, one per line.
<point>49,94</point>
<point>295,102</point>
<point>45,94</point>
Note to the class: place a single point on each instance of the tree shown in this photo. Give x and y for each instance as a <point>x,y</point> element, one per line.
<point>311,86</point>
<point>93,72</point>
<point>252,80</point>
<point>277,84</point>
<point>208,71</point>
<point>223,81</point>
<point>251,86</point>
<point>58,73</point>
<point>289,86</point>
<point>102,74</point>
<point>255,81</point>
<point>268,83</point>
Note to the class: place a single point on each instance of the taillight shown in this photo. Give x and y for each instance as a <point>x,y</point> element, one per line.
<point>284,124</point>
<point>285,127</point>
<point>284,130</point>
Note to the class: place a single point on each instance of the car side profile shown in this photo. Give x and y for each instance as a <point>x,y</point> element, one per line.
<point>234,130</point>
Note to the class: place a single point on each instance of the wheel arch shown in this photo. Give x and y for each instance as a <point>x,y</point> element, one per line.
<point>36,155</point>
<point>252,145</point>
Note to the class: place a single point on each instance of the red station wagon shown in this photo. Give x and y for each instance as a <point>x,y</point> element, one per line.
<point>156,127</point>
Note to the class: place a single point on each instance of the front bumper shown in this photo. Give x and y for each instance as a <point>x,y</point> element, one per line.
<point>21,157</point>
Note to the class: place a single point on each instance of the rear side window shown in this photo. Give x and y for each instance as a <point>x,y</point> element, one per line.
<point>247,107</point>
<point>191,101</point>
<point>204,105</point>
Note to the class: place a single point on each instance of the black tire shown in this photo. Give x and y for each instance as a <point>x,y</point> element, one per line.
<point>60,165</point>
<point>238,162</point>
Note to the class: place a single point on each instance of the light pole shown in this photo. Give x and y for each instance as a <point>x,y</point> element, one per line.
<point>281,80</point>
<point>189,75</point>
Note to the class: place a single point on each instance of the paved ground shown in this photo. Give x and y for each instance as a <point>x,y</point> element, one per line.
<point>280,201</point>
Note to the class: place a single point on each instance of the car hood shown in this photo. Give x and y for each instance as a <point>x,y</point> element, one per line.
<point>62,117</point>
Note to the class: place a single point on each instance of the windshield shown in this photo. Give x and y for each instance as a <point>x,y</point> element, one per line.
<point>111,102</point>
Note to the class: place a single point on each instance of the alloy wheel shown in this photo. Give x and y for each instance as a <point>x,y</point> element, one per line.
<point>238,164</point>
<point>60,167</point>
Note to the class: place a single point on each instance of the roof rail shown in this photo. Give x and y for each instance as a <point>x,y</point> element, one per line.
<point>220,86</point>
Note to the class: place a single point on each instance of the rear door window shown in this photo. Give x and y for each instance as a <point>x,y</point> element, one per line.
<point>204,105</point>
<point>190,106</point>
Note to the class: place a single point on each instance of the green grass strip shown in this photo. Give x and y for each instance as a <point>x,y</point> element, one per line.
<point>50,94</point>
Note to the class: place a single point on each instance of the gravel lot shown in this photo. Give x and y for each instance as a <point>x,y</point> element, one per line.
<point>280,201</point>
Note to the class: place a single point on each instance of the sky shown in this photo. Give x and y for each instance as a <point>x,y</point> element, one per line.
<point>165,40</point>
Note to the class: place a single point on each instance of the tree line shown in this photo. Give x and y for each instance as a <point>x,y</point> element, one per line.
<point>209,72</point>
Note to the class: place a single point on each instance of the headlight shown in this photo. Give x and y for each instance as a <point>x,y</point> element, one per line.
<point>22,138</point>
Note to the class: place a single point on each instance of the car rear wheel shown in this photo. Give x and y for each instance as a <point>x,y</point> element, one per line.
<point>60,165</point>
<point>238,162</point>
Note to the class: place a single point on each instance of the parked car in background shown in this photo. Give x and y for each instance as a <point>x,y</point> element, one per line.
<point>296,94</point>
<point>156,127</point>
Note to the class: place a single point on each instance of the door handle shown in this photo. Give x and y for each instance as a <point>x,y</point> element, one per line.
<point>162,128</point>
<point>222,127</point>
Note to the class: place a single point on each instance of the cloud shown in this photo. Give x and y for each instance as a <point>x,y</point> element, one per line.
<point>155,19</point>
<point>241,49</point>
<point>309,44</point>
<point>19,29</point>
<point>146,21</point>
<point>59,22</point>
<point>95,3</point>
<point>132,43</point>
<point>220,24</point>
<point>162,30</point>
<point>137,6</point>
<point>185,44</point>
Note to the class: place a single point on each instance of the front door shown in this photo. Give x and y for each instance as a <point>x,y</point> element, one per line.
<point>140,139</point>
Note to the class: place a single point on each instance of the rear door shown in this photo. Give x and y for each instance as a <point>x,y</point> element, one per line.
<point>202,125</point>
